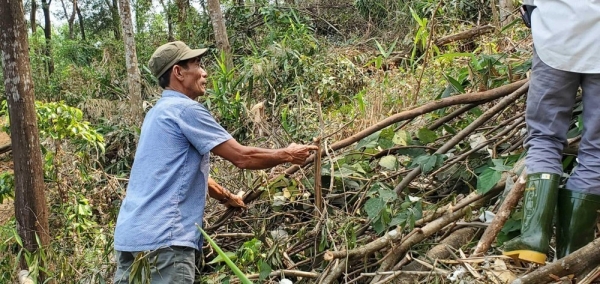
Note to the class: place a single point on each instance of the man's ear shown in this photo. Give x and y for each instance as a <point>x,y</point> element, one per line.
<point>177,72</point>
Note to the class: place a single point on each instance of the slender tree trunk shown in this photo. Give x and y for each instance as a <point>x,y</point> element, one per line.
<point>182,10</point>
<point>166,7</point>
<point>116,22</point>
<point>71,18</point>
<point>48,36</point>
<point>32,16</point>
<point>218,23</point>
<point>30,201</point>
<point>133,72</point>
<point>506,12</point>
<point>80,19</point>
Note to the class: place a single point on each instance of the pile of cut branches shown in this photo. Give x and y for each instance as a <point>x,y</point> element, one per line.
<point>427,193</point>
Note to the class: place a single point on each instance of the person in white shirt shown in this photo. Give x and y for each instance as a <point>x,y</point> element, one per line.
<point>566,57</point>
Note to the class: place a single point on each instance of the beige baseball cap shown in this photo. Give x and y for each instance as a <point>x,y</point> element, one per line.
<point>170,53</point>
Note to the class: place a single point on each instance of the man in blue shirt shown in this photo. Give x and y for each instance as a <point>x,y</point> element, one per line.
<point>169,179</point>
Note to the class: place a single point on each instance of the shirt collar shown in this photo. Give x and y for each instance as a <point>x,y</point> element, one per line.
<point>173,94</point>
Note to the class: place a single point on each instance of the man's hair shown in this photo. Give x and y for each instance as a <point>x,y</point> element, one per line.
<point>165,80</point>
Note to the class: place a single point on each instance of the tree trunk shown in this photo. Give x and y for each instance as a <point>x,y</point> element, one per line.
<point>182,9</point>
<point>116,22</point>
<point>48,36</point>
<point>218,23</point>
<point>32,16</point>
<point>30,201</point>
<point>506,12</point>
<point>166,7</point>
<point>133,72</point>
<point>80,19</point>
<point>71,18</point>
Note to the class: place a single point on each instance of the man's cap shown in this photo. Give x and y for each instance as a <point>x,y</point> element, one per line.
<point>170,53</point>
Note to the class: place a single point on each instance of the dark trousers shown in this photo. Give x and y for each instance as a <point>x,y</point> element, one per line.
<point>166,265</point>
<point>549,110</point>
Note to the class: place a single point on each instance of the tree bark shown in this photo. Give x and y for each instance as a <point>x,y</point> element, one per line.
<point>218,23</point>
<point>30,201</point>
<point>476,31</point>
<point>133,72</point>
<point>48,37</point>
<point>182,10</point>
<point>80,19</point>
<point>116,22</point>
<point>575,263</point>
<point>32,22</point>
<point>166,8</point>
<point>71,18</point>
<point>500,219</point>
<point>506,12</point>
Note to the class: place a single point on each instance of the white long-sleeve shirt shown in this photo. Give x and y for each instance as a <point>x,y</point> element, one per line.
<point>566,34</point>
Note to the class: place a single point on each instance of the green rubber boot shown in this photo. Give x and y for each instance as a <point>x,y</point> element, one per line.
<point>576,223</point>
<point>541,192</point>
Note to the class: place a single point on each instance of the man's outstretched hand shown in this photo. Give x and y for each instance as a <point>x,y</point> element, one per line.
<point>299,153</point>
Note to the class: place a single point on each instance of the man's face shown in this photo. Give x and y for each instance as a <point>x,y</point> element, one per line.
<point>194,81</point>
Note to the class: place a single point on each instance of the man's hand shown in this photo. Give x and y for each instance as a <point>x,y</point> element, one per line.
<point>299,153</point>
<point>235,201</point>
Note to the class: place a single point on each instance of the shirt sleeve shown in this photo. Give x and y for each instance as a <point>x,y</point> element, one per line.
<point>201,129</point>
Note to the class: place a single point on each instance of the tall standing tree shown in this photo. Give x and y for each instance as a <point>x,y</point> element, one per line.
<point>167,9</point>
<point>32,13</point>
<point>30,201</point>
<point>218,23</point>
<point>113,6</point>
<point>182,14</point>
<point>48,36</point>
<point>506,12</point>
<point>133,71</point>
<point>70,18</point>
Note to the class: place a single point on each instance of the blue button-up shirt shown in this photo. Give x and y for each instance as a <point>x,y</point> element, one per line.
<point>169,178</point>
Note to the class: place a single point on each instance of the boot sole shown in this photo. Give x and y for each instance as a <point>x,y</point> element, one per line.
<point>527,255</point>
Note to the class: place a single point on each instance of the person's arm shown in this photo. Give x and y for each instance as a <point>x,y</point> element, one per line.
<point>261,158</point>
<point>223,195</point>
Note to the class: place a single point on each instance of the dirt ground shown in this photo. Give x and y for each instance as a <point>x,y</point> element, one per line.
<point>7,207</point>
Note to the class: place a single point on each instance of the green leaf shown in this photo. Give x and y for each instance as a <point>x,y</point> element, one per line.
<point>487,180</point>
<point>426,136</point>
<point>386,138</point>
<point>227,260</point>
<point>265,270</point>
<point>455,84</point>
<point>219,258</point>
<point>373,207</point>
<point>369,141</point>
<point>389,162</point>
<point>387,195</point>
<point>401,138</point>
<point>426,162</point>
<point>499,165</point>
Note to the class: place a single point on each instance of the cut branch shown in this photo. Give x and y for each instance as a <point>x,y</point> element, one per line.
<point>476,31</point>
<point>506,208</point>
<point>575,263</point>
<point>465,132</point>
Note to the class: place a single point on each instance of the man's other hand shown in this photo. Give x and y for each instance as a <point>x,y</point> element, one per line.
<point>235,201</point>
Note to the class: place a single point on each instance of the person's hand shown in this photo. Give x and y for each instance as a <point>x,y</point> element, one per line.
<point>299,153</point>
<point>235,201</point>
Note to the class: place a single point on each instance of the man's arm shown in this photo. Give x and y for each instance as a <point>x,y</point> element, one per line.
<point>261,158</point>
<point>223,195</point>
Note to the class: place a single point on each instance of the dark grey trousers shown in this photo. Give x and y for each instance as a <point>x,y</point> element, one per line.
<point>549,110</point>
<point>176,265</point>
